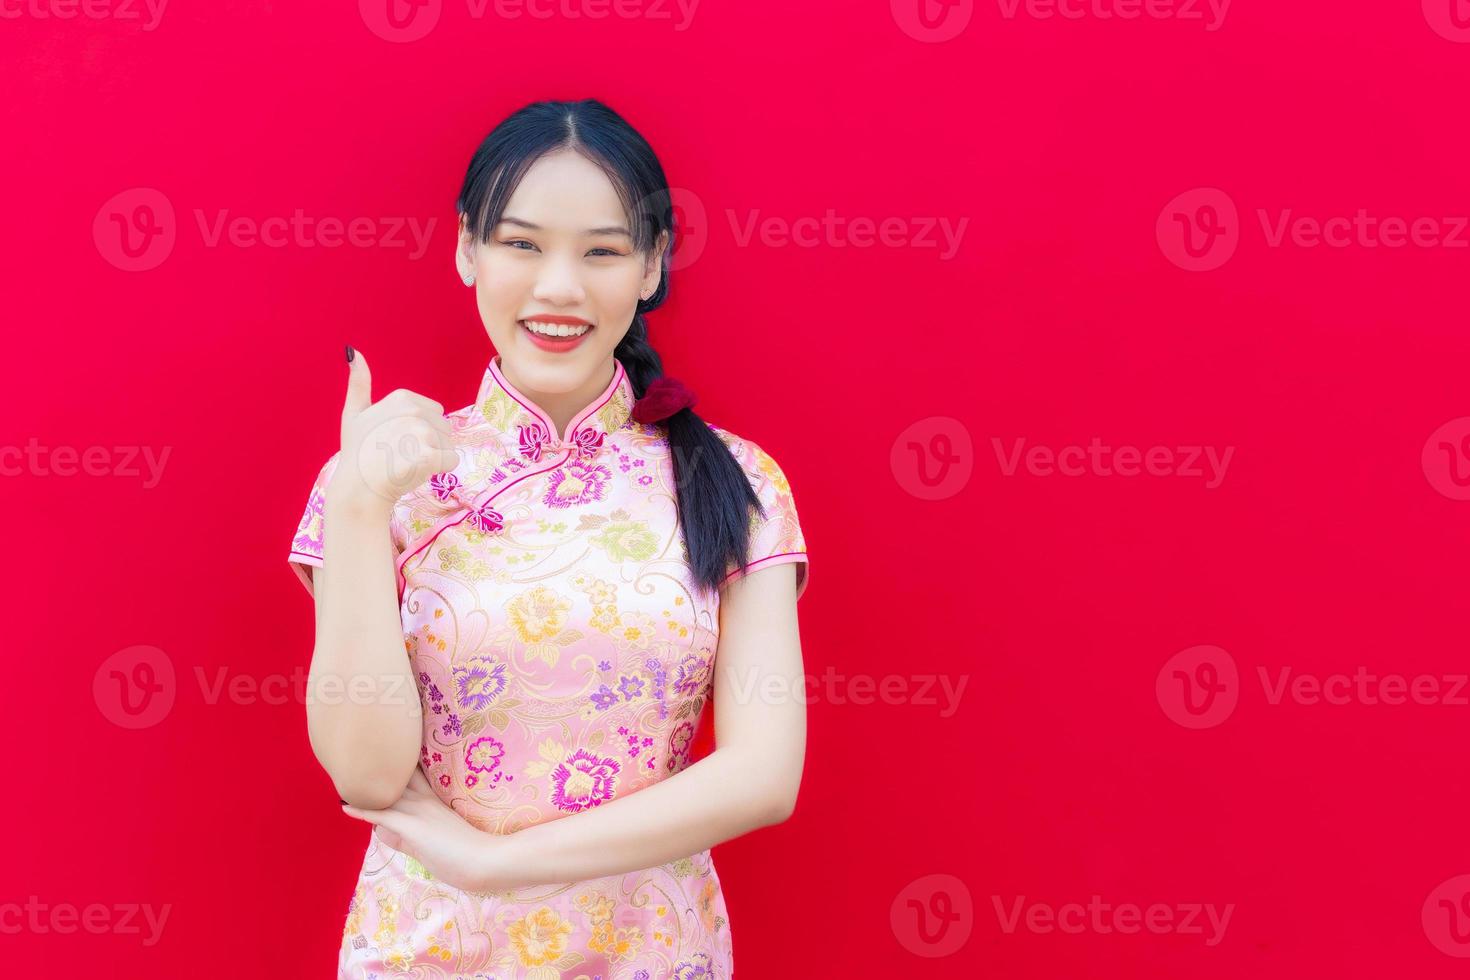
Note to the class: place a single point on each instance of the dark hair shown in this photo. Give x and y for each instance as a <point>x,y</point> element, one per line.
<point>715,496</point>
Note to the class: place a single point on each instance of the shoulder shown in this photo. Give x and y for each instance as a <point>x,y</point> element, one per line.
<point>758,464</point>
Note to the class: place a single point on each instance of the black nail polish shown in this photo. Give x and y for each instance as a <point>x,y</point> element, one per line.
<point>349,353</point>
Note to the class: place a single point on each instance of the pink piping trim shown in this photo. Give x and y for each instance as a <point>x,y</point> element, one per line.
<point>429,536</point>
<point>480,500</point>
<point>574,424</point>
<point>781,559</point>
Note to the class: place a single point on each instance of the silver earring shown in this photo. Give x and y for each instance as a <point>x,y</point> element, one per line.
<point>469,278</point>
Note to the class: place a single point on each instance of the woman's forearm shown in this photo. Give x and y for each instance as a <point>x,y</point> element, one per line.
<point>364,717</point>
<point>720,797</point>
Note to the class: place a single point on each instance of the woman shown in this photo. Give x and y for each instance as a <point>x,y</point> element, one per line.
<point>575,563</point>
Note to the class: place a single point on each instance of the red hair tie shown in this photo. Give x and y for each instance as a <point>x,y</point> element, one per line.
<point>664,397</point>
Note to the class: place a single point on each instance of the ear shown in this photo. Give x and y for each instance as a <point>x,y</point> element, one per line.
<point>464,249</point>
<point>653,266</point>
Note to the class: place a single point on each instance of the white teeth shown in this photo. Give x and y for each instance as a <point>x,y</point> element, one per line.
<point>556,329</point>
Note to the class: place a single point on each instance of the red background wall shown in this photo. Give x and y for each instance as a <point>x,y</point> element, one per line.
<point>1071,309</point>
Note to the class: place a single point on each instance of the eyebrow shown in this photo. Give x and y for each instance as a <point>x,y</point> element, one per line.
<point>609,230</point>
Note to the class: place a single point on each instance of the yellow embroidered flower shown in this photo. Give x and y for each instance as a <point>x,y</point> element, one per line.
<point>604,618</point>
<point>624,540</point>
<point>625,943</point>
<point>636,631</point>
<point>598,908</point>
<point>539,938</point>
<point>768,466</point>
<point>707,910</point>
<point>538,615</point>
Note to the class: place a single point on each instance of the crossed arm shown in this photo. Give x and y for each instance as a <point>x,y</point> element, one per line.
<point>749,781</point>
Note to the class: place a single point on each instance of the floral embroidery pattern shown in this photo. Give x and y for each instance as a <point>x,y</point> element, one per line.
<point>577,483</point>
<point>563,657</point>
<point>479,682</point>
<point>486,519</point>
<point>443,484</point>
<point>584,780</point>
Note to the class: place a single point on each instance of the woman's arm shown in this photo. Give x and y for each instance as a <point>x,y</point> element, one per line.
<point>364,717</point>
<point>749,781</point>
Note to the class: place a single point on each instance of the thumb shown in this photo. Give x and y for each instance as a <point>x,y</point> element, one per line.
<point>359,385</point>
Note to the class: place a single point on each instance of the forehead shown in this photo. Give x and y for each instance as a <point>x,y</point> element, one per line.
<point>564,191</point>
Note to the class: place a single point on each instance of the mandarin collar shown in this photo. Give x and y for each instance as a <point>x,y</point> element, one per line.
<point>510,411</point>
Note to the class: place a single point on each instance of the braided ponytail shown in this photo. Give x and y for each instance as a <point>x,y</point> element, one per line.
<point>714,495</point>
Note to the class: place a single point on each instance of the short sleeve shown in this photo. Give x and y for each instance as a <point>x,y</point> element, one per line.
<point>306,546</point>
<point>777,537</point>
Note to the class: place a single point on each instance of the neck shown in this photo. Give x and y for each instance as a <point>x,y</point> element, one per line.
<point>563,406</point>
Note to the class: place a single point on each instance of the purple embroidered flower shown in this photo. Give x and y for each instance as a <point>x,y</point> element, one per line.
<point>532,438</point>
<point>443,484</point>
<point>452,728</point>
<point>654,664</point>
<point>631,687</point>
<point>583,781</point>
<point>484,754</point>
<point>433,693</point>
<point>604,697</point>
<point>641,975</point>
<point>697,967</point>
<point>487,520</point>
<point>690,675</point>
<point>479,681</point>
<point>604,665</point>
<point>577,483</point>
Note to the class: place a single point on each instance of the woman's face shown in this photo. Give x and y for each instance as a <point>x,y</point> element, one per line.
<point>562,249</point>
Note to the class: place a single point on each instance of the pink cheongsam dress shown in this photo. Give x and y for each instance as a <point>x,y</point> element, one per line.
<point>564,658</point>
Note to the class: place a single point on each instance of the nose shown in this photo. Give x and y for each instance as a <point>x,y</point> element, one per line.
<point>558,283</point>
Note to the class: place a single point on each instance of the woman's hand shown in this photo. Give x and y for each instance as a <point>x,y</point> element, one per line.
<point>388,447</point>
<point>421,825</point>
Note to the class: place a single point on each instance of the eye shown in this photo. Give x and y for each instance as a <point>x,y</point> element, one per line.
<point>513,243</point>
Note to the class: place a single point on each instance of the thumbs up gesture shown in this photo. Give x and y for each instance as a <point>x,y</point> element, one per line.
<point>389,446</point>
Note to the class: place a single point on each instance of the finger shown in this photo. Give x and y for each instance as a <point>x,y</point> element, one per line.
<point>359,387</point>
